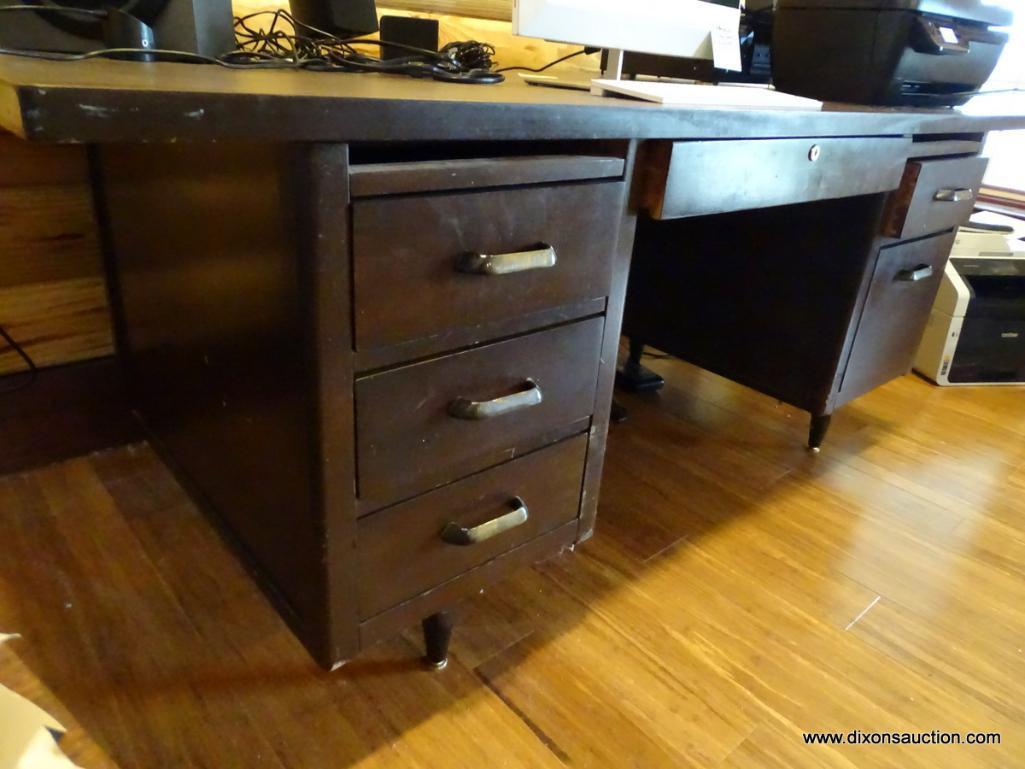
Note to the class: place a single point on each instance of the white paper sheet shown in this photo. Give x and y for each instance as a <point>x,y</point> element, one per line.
<point>705,96</point>
<point>27,732</point>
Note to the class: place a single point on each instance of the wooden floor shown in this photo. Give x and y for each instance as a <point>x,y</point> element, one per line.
<point>740,591</point>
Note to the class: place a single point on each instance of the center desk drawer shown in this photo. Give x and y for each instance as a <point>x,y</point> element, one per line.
<point>417,545</point>
<point>429,423</point>
<point>425,264</point>
<point>697,178</point>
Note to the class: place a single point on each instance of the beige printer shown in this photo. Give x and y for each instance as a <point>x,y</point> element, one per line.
<point>976,331</point>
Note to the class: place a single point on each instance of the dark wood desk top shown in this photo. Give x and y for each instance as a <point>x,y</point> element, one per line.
<point>110,101</point>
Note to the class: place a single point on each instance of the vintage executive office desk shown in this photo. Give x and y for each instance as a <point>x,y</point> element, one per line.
<point>373,322</point>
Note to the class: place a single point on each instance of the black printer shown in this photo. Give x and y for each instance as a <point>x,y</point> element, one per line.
<point>921,53</point>
<point>976,331</point>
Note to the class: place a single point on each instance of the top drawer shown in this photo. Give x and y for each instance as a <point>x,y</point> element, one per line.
<point>759,173</point>
<point>425,264</point>
<point>935,195</point>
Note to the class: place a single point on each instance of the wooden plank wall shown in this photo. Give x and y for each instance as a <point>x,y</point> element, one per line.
<point>52,294</point>
<point>485,20</point>
<point>481,9</point>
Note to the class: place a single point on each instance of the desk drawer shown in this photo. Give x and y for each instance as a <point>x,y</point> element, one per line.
<point>419,249</point>
<point>696,178</point>
<point>935,195</point>
<point>417,545</point>
<point>427,424</point>
<point>902,293</point>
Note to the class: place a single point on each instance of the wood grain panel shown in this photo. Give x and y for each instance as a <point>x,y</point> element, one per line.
<point>26,164</point>
<point>483,9</point>
<point>408,440</point>
<point>500,10</point>
<point>57,322</point>
<point>52,296</point>
<point>575,220</point>
<point>401,553</point>
<point>47,234</point>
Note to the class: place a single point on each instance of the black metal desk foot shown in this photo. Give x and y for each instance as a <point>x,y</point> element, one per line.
<point>437,634</point>
<point>817,434</point>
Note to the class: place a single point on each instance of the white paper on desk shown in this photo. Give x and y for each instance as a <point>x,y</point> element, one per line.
<point>705,96</point>
<point>726,47</point>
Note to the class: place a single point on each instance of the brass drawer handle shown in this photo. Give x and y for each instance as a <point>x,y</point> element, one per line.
<point>955,196</point>
<point>454,534</point>
<point>924,272</point>
<point>541,258</point>
<point>464,408</point>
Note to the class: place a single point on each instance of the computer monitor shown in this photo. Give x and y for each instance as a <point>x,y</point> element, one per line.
<point>668,27</point>
<point>195,26</point>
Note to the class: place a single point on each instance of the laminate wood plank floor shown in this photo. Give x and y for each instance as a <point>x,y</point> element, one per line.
<point>739,593</point>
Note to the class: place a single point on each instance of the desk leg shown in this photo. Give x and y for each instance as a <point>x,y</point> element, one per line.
<point>619,413</point>
<point>437,634</point>
<point>634,377</point>
<point>819,428</point>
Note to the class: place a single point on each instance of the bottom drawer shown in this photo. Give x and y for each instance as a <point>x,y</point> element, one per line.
<point>417,545</point>
<point>902,293</point>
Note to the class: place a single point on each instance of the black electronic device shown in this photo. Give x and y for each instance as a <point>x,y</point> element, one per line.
<point>755,56</point>
<point>991,345</point>
<point>407,31</point>
<point>122,30</point>
<point>79,26</point>
<point>343,18</point>
<point>888,52</point>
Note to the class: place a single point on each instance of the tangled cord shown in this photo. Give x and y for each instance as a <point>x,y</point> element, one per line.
<point>284,41</point>
<point>287,43</point>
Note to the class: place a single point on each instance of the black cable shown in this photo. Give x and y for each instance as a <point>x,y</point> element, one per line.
<point>550,64</point>
<point>286,38</point>
<point>243,60</point>
<point>92,12</point>
<point>313,49</point>
<point>32,370</point>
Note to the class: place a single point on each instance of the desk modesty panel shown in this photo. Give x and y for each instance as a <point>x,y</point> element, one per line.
<point>373,322</point>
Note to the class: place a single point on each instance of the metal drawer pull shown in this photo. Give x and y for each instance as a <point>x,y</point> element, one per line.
<point>454,534</point>
<point>955,196</point>
<point>464,408</point>
<point>914,276</point>
<point>540,258</point>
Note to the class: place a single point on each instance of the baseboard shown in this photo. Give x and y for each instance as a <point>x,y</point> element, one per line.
<point>67,411</point>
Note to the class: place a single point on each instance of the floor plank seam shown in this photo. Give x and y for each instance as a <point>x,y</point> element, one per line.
<point>538,732</point>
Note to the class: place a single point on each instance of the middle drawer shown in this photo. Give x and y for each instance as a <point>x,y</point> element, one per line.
<point>429,423</point>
